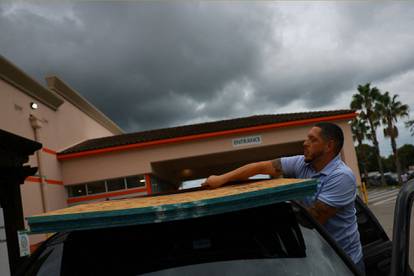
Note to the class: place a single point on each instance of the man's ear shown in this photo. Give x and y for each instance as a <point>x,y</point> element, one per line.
<point>331,145</point>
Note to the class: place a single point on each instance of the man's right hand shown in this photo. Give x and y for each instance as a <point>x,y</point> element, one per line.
<point>214,181</point>
<point>271,167</point>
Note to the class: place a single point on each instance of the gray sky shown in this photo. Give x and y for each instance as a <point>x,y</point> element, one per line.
<point>158,64</point>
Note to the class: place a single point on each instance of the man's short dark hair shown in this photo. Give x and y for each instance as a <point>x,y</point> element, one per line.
<point>333,132</point>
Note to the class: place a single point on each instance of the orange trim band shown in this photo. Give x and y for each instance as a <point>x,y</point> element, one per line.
<point>98,196</point>
<point>49,151</point>
<point>207,135</point>
<point>36,179</point>
<point>51,181</point>
<point>148,184</point>
<point>33,179</point>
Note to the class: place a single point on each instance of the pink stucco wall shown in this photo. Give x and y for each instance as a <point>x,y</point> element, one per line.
<point>60,129</point>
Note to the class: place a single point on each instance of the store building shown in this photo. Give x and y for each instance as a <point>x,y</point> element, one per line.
<point>164,158</point>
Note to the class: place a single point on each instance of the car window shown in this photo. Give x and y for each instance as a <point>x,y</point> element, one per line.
<point>369,228</point>
<point>48,262</point>
<point>320,259</point>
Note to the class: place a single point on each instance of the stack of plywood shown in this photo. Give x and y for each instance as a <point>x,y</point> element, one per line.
<point>153,209</point>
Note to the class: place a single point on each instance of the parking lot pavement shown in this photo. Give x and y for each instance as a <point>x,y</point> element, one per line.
<point>381,196</point>
<point>381,201</point>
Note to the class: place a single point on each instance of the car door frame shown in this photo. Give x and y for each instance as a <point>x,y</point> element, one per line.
<point>377,248</point>
<point>401,231</point>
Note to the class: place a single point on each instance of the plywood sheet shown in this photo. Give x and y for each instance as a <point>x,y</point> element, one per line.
<point>155,209</point>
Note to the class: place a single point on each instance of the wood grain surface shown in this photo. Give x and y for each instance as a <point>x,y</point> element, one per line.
<point>143,202</point>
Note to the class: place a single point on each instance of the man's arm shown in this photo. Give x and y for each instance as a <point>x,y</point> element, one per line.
<point>271,167</point>
<point>322,211</point>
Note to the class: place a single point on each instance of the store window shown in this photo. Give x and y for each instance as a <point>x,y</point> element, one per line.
<point>115,184</point>
<point>77,190</point>
<point>135,181</point>
<point>104,186</point>
<point>96,187</point>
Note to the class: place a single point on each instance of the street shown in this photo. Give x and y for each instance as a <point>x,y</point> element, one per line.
<point>382,203</point>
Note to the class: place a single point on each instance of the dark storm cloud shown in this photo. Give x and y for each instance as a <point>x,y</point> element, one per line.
<point>158,64</point>
<point>137,61</point>
<point>345,44</point>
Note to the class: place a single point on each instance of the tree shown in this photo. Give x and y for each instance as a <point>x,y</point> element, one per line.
<point>367,152</point>
<point>359,133</point>
<point>365,101</point>
<point>389,164</point>
<point>410,125</point>
<point>406,155</point>
<point>390,109</point>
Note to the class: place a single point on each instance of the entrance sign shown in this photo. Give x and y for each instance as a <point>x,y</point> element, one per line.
<point>246,141</point>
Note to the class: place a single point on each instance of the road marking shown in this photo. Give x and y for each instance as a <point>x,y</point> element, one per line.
<point>384,201</point>
<point>381,191</point>
<point>382,196</point>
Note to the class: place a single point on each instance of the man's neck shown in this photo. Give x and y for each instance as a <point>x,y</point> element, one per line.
<point>320,163</point>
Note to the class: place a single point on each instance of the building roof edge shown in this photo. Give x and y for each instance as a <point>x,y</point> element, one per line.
<point>16,77</point>
<point>101,145</point>
<point>60,87</point>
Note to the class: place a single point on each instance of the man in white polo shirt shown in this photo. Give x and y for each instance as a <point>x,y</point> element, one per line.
<point>333,203</point>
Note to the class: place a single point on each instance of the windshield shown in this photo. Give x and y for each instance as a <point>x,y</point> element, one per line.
<point>320,259</point>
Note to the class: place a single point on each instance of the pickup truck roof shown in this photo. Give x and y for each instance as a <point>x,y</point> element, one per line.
<point>161,208</point>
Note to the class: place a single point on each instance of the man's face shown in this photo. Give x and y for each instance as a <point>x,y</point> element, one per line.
<point>314,146</point>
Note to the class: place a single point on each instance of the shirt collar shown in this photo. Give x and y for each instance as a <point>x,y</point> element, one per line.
<point>328,168</point>
<point>331,165</point>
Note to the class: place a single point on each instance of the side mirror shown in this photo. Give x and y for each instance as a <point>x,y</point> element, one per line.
<point>401,232</point>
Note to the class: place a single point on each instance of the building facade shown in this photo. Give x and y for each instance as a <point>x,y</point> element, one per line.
<point>56,116</point>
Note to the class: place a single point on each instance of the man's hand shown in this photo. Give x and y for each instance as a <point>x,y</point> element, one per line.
<point>214,181</point>
<point>272,167</point>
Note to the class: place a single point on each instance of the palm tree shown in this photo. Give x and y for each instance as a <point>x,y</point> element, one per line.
<point>410,125</point>
<point>359,133</point>
<point>390,110</point>
<point>365,101</point>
